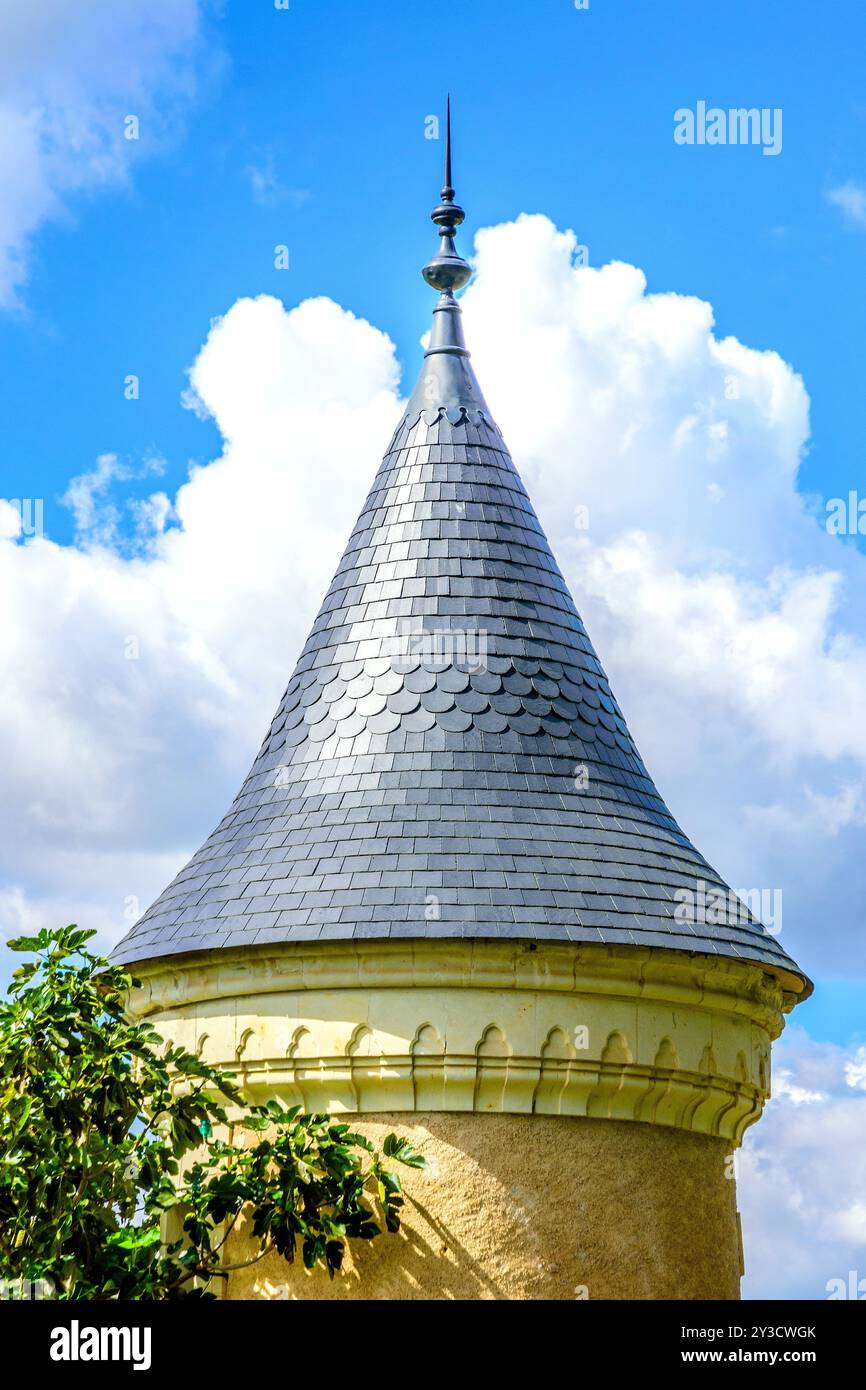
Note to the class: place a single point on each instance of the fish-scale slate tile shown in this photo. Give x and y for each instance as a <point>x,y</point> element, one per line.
<point>448,758</point>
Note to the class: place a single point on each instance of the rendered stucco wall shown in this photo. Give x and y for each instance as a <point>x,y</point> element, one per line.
<point>537,1207</point>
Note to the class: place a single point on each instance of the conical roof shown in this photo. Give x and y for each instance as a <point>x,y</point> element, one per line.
<point>448,759</point>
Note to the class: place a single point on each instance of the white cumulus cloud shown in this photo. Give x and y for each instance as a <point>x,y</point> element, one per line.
<point>137,683</point>
<point>800,1176</point>
<point>731,624</point>
<point>70,75</point>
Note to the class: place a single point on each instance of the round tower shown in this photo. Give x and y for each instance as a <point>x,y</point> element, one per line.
<point>448,900</point>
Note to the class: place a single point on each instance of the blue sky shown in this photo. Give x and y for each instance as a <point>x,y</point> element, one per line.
<point>735,638</point>
<point>568,112</point>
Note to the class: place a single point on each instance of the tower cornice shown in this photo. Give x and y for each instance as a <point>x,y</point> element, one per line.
<point>601,1032</point>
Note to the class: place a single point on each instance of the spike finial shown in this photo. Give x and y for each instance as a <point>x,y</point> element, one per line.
<point>447,271</point>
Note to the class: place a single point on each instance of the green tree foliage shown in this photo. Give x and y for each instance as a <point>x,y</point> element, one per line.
<point>105,1129</point>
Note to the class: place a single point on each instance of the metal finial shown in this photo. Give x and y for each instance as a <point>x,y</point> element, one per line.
<point>447,271</point>
<point>448,190</point>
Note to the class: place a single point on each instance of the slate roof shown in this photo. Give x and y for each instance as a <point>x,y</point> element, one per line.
<point>448,759</point>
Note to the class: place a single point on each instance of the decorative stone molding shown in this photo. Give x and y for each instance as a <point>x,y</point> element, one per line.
<point>658,1037</point>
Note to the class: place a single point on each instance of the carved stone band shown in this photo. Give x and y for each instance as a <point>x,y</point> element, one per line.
<point>619,1033</point>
